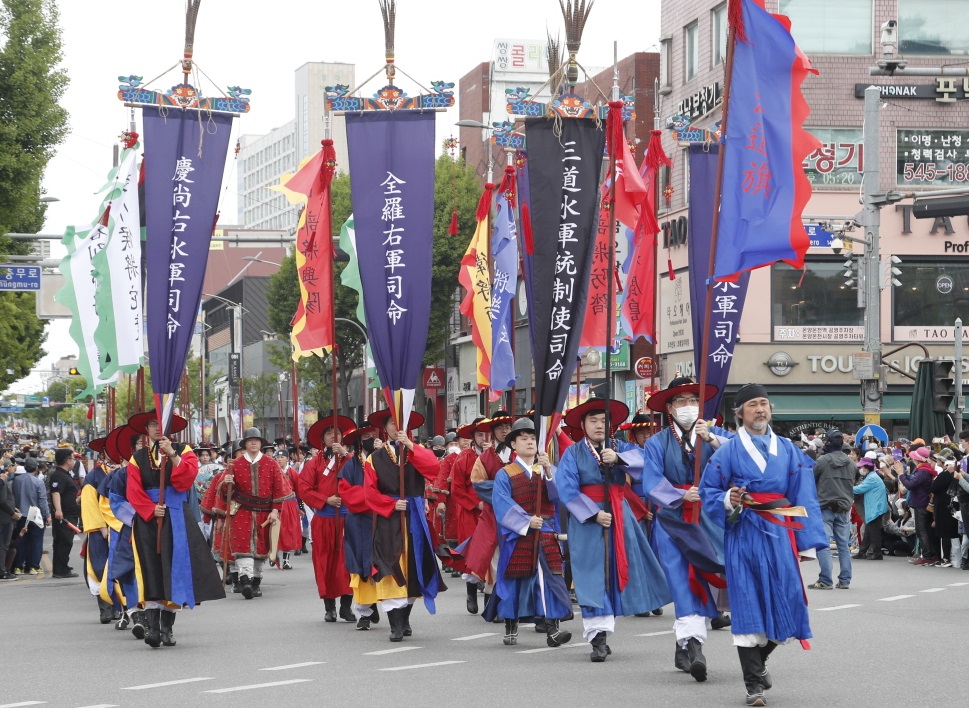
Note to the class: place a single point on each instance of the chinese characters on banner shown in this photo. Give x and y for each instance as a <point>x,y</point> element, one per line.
<point>563,182</point>
<point>475,277</point>
<point>391,156</point>
<point>184,161</point>
<point>728,297</point>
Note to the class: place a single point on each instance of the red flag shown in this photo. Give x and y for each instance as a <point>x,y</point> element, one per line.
<point>313,321</point>
<point>90,411</point>
<point>594,323</point>
<point>475,277</point>
<point>639,303</point>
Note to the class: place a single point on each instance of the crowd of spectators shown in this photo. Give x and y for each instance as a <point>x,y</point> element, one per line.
<point>907,498</point>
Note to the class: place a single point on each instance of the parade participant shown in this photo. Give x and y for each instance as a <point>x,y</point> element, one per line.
<point>318,485</point>
<point>440,519</point>
<point>687,541</point>
<point>259,489</point>
<point>530,583</point>
<point>466,505</point>
<point>614,570</point>
<point>178,571</point>
<point>358,524</point>
<point>752,487</point>
<point>121,581</point>
<point>215,513</point>
<point>291,537</point>
<point>640,429</point>
<point>481,552</point>
<point>403,554</point>
<point>96,531</point>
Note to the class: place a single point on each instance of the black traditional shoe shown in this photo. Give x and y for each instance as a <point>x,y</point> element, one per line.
<point>541,626</point>
<point>681,659</point>
<point>231,579</point>
<point>346,613</point>
<point>554,636</point>
<point>455,573</point>
<point>139,624</point>
<point>257,587</point>
<point>698,662</point>
<point>472,603</point>
<point>245,586</point>
<point>405,620</point>
<point>396,625</point>
<point>599,648</point>
<point>511,633</point>
<point>658,611</point>
<point>363,623</point>
<point>329,616</point>
<point>375,615</point>
<point>721,621</point>
<point>165,622</point>
<point>123,622</point>
<point>764,678</point>
<point>152,632</point>
<point>105,611</point>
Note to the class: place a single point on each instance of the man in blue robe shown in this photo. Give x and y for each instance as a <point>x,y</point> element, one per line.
<point>602,530</point>
<point>760,489</point>
<point>686,539</point>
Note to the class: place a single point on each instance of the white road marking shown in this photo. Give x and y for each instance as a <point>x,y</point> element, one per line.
<point>837,607</point>
<point>537,651</point>
<point>103,705</point>
<point>24,703</point>
<point>422,666</point>
<point>257,685</point>
<point>166,683</point>
<point>656,634</point>
<point>390,651</point>
<point>893,598</point>
<point>956,585</point>
<point>292,666</point>
<point>474,636</point>
<point>933,590</point>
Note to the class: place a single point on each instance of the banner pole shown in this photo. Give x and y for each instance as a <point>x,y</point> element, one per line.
<point>715,227</point>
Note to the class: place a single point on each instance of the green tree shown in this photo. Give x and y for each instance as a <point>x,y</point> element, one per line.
<point>32,123</point>
<point>260,392</point>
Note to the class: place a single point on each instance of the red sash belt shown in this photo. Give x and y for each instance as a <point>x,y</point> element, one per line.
<point>696,587</point>
<point>596,493</point>
<point>763,503</point>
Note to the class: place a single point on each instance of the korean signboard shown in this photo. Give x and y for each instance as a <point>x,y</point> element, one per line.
<point>932,157</point>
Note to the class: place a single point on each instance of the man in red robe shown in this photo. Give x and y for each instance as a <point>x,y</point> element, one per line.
<point>466,505</point>
<point>318,487</point>
<point>257,498</point>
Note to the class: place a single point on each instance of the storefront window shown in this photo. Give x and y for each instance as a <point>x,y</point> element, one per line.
<point>932,294</point>
<point>933,27</point>
<point>831,26</point>
<point>814,304</point>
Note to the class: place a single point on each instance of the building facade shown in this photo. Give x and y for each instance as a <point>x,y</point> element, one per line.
<point>262,159</point>
<point>799,329</point>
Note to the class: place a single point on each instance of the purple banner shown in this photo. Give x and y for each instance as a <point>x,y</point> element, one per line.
<point>184,159</point>
<point>728,298</point>
<point>564,194</point>
<point>504,252</point>
<point>392,182</point>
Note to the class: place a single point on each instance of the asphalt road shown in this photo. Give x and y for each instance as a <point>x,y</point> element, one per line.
<point>896,638</point>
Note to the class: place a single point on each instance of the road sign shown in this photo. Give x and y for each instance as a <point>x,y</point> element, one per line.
<point>644,368</point>
<point>19,278</point>
<point>45,402</point>
<point>819,237</point>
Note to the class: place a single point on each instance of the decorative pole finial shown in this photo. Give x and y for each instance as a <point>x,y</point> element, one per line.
<point>191,16</point>
<point>388,10</point>
<point>575,13</point>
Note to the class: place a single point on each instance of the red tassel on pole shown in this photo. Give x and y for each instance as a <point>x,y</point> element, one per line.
<point>484,204</point>
<point>453,228</point>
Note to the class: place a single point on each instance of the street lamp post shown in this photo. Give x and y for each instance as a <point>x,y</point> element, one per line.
<point>363,364</point>
<point>237,310</point>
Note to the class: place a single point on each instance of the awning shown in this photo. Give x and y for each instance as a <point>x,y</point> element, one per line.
<point>835,406</point>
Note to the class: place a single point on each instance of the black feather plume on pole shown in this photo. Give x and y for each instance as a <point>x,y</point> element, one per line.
<point>575,14</point>
<point>388,10</point>
<point>555,64</point>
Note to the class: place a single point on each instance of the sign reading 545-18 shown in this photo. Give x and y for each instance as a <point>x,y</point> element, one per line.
<point>19,278</point>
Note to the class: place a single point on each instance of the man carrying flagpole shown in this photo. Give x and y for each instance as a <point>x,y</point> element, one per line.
<point>180,573</point>
<point>760,489</point>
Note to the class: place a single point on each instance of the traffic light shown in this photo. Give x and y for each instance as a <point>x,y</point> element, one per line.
<point>936,207</point>
<point>943,386</point>
<point>73,371</point>
<point>850,274</point>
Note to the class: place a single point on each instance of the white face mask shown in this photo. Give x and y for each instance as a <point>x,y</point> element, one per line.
<point>687,415</point>
<point>453,450</point>
<point>938,468</point>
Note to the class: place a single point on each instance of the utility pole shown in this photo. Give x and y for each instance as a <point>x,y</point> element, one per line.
<point>960,401</point>
<point>869,290</point>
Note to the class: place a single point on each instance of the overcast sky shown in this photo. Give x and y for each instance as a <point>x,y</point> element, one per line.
<point>259,45</point>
